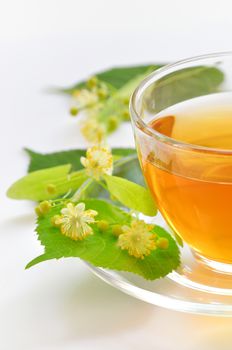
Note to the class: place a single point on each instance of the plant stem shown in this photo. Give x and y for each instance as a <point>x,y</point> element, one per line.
<point>124,160</point>
<point>77,195</point>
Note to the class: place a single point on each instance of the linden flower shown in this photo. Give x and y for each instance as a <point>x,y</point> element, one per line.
<point>74,221</point>
<point>137,239</point>
<point>98,161</point>
<point>84,98</point>
<point>93,131</point>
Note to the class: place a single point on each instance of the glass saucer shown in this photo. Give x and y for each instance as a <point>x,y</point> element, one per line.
<point>193,288</point>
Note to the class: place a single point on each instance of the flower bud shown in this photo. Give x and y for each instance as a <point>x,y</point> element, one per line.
<point>51,189</point>
<point>73,111</point>
<point>103,225</point>
<point>117,230</point>
<point>55,221</point>
<point>126,115</point>
<point>113,123</point>
<point>162,243</point>
<point>126,101</point>
<point>45,207</point>
<point>102,93</point>
<point>92,82</point>
<point>38,211</point>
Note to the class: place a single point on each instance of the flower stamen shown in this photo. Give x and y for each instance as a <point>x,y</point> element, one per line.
<point>98,161</point>
<point>137,239</point>
<point>74,221</point>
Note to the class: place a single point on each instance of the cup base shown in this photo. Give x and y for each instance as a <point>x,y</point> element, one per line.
<point>200,273</point>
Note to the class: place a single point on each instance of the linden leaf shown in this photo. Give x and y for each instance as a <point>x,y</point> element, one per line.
<point>100,249</point>
<point>183,85</point>
<point>47,183</point>
<point>131,195</point>
<point>116,77</point>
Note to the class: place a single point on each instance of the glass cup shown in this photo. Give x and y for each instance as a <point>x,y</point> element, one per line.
<point>191,182</point>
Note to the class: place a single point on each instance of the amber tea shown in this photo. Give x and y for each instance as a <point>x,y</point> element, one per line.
<point>194,193</point>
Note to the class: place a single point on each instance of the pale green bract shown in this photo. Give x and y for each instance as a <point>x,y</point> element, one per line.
<point>47,183</point>
<point>131,195</point>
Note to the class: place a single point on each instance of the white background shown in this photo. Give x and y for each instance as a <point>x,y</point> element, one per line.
<point>60,304</point>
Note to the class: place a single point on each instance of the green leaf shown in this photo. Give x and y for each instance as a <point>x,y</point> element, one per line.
<point>116,77</point>
<point>47,183</point>
<point>101,249</point>
<point>183,85</point>
<point>131,195</point>
<point>40,161</point>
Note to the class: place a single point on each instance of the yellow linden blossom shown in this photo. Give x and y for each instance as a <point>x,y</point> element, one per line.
<point>74,221</point>
<point>93,131</point>
<point>137,239</point>
<point>98,161</point>
<point>84,98</point>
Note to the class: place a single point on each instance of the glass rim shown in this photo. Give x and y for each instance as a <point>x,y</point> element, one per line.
<point>152,78</point>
